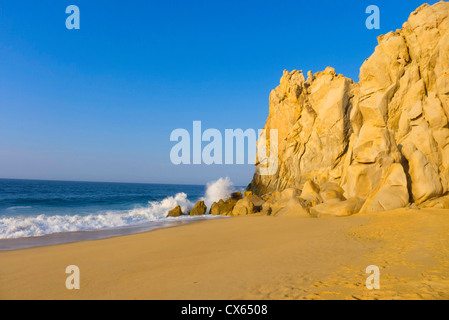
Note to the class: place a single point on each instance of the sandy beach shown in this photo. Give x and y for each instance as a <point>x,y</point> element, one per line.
<point>254,257</point>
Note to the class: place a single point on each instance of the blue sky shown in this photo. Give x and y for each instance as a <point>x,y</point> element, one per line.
<point>99,103</point>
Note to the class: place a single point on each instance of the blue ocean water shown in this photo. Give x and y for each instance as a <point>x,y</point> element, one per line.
<point>31,208</point>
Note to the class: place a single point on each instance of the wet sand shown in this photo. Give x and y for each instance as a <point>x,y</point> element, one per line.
<point>247,258</point>
<point>77,236</point>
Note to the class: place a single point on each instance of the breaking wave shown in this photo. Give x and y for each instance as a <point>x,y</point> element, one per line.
<point>19,226</point>
<point>220,189</point>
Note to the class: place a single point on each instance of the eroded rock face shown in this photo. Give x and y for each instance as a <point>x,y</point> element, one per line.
<point>175,212</point>
<point>337,208</point>
<point>250,204</point>
<point>382,142</point>
<point>199,209</point>
<point>223,208</point>
<point>243,207</point>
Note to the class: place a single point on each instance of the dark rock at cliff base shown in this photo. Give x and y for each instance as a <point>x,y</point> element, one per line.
<point>236,195</point>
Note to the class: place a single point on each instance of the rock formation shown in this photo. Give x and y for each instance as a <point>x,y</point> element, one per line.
<point>199,209</point>
<point>224,208</point>
<point>375,145</point>
<point>175,212</point>
<point>250,204</point>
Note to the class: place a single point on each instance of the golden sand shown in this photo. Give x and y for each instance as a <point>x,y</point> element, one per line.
<point>247,258</point>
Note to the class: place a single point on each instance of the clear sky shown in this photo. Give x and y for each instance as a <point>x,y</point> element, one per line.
<point>99,103</point>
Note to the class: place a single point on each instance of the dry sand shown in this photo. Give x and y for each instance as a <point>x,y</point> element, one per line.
<point>247,258</point>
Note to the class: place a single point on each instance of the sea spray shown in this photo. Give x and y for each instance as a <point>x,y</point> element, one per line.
<point>216,190</point>
<point>161,208</point>
<point>30,226</point>
<point>17,223</point>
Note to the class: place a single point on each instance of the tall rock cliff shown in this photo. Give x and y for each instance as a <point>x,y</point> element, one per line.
<point>384,140</point>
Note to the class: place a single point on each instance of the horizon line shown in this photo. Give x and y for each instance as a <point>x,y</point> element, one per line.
<point>85,181</point>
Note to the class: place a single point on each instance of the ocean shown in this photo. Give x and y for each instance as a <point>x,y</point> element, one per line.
<point>34,212</point>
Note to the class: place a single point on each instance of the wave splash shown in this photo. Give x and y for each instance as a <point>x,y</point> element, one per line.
<point>216,190</point>
<point>39,225</point>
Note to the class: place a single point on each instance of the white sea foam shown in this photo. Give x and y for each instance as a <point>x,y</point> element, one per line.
<point>38,225</point>
<point>216,190</point>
